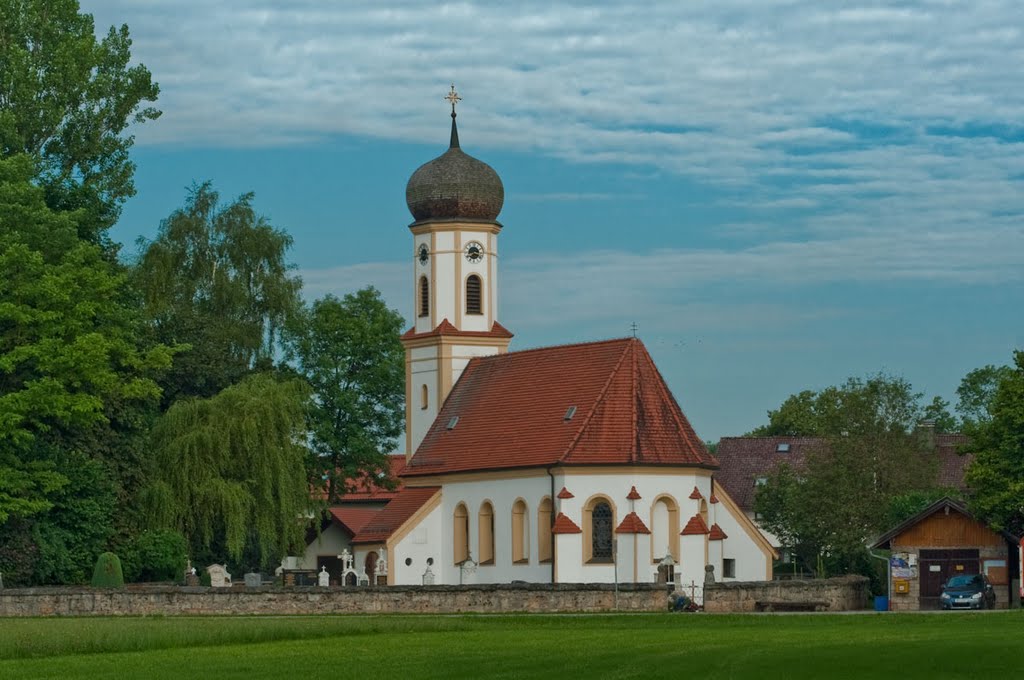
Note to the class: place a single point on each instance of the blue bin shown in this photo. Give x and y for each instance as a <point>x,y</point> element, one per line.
<point>881,603</point>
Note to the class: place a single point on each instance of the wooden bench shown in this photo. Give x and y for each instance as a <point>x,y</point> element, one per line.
<point>789,606</point>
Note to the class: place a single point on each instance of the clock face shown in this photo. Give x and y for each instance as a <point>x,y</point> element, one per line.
<point>423,254</point>
<point>474,251</point>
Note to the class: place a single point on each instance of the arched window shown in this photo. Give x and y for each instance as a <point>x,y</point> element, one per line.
<point>598,525</point>
<point>544,530</point>
<point>486,531</point>
<point>704,510</point>
<point>424,397</point>
<point>460,533</point>
<point>520,533</point>
<point>664,528</point>
<point>424,296</point>
<point>474,295</point>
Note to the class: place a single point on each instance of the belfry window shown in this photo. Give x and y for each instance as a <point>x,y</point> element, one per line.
<point>424,296</point>
<point>474,295</point>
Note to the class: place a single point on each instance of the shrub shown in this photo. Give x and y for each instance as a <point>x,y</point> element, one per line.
<point>107,573</point>
<point>156,556</point>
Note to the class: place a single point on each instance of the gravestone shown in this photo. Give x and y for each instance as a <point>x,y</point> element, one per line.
<point>253,580</point>
<point>709,574</point>
<point>428,577</point>
<point>219,576</point>
<point>323,579</point>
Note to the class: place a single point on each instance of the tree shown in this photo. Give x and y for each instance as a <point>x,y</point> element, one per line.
<point>67,99</point>
<point>996,475</point>
<point>870,453</point>
<point>977,391</point>
<point>349,352</point>
<point>215,281</point>
<point>68,342</point>
<point>230,470</point>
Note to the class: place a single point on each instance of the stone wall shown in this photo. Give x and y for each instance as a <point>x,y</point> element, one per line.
<point>843,593</point>
<point>175,600</point>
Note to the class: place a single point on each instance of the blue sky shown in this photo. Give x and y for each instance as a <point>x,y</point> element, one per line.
<point>780,193</point>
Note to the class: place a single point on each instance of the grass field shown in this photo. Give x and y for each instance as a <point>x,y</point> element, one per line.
<point>951,645</point>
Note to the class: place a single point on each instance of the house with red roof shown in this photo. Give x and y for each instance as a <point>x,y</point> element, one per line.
<point>571,463</point>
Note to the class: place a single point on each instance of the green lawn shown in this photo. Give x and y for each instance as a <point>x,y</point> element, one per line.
<point>950,645</point>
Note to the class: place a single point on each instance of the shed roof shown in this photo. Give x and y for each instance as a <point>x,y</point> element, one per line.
<point>942,503</point>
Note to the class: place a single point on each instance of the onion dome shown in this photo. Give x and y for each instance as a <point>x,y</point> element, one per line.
<point>455,186</point>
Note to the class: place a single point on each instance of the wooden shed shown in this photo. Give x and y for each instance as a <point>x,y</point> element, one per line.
<point>944,540</point>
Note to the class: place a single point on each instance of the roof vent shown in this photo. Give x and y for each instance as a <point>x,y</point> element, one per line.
<point>782,448</point>
<point>569,413</point>
<point>453,422</point>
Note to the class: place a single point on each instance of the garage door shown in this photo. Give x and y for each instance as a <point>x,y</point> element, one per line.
<point>937,566</point>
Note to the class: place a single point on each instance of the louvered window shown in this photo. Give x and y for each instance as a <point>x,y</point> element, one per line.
<point>474,295</point>
<point>424,296</point>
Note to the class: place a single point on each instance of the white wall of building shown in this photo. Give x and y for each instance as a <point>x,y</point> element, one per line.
<point>409,557</point>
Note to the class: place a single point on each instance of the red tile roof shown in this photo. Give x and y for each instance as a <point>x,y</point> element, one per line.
<point>353,519</point>
<point>446,328</point>
<point>634,495</point>
<point>743,460</point>
<point>632,524</point>
<point>512,407</point>
<point>716,533</point>
<point>696,495</point>
<point>395,514</point>
<point>696,525</point>
<point>564,494</point>
<point>564,525</point>
<point>367,490</point>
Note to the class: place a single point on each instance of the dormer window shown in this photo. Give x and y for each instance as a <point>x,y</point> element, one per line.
<point>782,447</point>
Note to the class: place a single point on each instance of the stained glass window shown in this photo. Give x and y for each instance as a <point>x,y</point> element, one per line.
<point>601,533</point>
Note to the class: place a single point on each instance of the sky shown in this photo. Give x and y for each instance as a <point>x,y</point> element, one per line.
<point>780,194</point>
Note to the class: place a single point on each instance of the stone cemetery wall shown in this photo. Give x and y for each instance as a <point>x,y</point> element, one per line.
<point>191,601</point>
<point>843,593</point>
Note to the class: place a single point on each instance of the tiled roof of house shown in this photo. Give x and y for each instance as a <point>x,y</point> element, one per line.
<point>564,525</point>
<point>743,460</point>
<point>447,328</point>
<point>515,410</point>
<point>395,514</point>
<point>368,490</point>
<point>632,524</point>
<point>716,533</point>
<point>353,519</point>
<point>696,525</point>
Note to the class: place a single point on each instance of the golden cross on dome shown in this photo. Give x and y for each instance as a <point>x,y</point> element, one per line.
<point>453,98</point>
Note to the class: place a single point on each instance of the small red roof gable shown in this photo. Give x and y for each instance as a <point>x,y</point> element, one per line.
<point>564,494</point>
<point>713,499</point>
<point>696,525</point>
<point>513,409</point>
<point>446,328</point>
<point>564,525</point>
<point>696,495</point>
<point>634,495</point>
<point>632,524</point>
<point>716,533</point>
<point>395,514</point>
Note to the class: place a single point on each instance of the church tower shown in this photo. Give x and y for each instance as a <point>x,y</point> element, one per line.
<point>454,200</point>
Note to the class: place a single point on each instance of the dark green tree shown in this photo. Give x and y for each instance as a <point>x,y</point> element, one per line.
<point>68,343</point>
<point>976,393</point>
<point>349,352</point>
<point>230,471</point>
<point>996,475</point>
<point>67,100</point>
<point>216,281</point>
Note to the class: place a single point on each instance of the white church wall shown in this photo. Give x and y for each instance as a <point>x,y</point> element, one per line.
<point>422,324</point>
<point>444,276</point>
<point>421,547</point>
<point>750,561</point>
<point>423,372</point>
<point>476,322</point>
<point>502,495</point>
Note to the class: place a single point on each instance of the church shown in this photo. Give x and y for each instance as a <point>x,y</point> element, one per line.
<point>565,464</point>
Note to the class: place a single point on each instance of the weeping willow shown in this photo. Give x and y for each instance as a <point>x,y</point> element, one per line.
<point>232,468</point>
